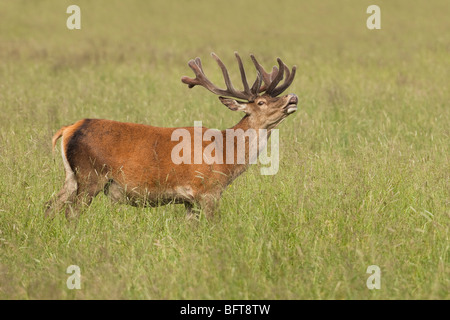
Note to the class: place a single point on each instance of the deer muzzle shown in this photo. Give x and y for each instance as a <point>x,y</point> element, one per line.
<point>291,107</point>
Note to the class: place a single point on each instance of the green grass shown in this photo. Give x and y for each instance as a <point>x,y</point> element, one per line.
<point>364,172</point>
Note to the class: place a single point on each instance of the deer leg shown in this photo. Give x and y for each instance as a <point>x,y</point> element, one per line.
<point>189,210</point>
<point>67,193</point>
<point>64,197</point>
<point>208,203</point>
<point>115,192</point>
<point>85,193</point>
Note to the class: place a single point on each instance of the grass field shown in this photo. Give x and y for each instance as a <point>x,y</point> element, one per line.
<point>364,162</point>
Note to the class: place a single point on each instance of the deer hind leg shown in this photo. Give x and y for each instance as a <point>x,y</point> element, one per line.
<point>89,185</point>
<point>65,197</point>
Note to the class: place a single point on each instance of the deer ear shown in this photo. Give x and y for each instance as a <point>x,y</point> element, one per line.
<point>233,104</point>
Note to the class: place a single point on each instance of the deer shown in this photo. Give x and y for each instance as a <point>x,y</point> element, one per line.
<point>131,163</point>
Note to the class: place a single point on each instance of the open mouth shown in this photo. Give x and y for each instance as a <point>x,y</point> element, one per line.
<point>292,105</point>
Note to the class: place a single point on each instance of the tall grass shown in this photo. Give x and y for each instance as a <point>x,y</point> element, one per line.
<point>364,172</point>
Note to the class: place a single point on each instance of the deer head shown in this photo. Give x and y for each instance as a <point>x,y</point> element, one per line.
<point>260,102</point>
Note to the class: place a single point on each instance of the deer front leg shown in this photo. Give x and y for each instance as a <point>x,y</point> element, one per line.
<point>208,204</point>
<point>189,210</point>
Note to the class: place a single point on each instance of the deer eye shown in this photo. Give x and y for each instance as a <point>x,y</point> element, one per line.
<point>261,103</point>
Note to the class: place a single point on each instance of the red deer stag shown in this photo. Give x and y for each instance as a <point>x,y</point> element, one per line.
<point>133,163</point>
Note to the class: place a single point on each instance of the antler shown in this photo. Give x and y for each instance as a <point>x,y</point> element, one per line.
<point>271,80</point>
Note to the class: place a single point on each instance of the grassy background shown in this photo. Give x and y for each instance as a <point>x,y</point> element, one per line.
<point>364,172</point>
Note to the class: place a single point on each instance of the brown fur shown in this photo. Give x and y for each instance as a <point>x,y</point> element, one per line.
<point>132,162</point>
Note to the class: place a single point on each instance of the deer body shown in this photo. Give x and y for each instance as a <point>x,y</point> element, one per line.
<point>132,163</point>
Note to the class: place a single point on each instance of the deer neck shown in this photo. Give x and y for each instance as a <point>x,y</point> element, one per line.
<point>247,125</point>
<point>244,141</point>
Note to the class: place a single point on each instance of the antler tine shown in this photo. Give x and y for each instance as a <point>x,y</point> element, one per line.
<point>226,77</point>
<point>256,87</point>
<point>243,77</point>
<point>287,82</point>
<point>278,77</point>
<point>199,63</point>
<point>267,77</point>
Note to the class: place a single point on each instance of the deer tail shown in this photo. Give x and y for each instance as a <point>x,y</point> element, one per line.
<point>56,136</point>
